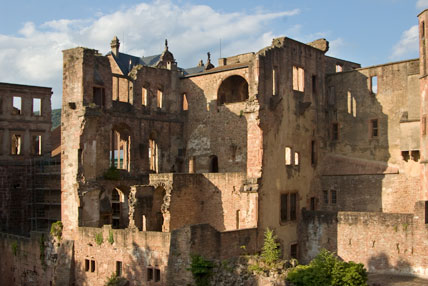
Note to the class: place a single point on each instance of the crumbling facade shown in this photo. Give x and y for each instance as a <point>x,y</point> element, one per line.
<point>159,162</point>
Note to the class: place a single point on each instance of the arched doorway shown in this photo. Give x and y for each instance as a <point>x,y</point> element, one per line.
<point>232,89</point>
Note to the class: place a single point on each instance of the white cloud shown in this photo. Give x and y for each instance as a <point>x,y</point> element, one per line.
<point>422,4</point>
<point>34,56</point>
<point>408,44</point>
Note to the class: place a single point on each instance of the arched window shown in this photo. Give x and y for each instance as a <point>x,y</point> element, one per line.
<point>232,89</point>
<point>213,164</point>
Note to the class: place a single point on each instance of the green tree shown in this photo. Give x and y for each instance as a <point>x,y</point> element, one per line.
<point>270,251</point>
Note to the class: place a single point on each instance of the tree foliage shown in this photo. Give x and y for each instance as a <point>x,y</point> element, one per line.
<point>327,270</point>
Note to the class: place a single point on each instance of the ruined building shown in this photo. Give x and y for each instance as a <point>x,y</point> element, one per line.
<point>160,162</point>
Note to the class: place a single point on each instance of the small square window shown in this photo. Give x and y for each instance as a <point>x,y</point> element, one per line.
<point>339,68</point>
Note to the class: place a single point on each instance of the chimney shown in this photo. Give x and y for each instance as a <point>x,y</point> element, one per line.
<point>115,44</point>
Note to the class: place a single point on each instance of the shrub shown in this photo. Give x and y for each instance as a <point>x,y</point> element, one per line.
<point>99,238</point>
<point>56,229</point>
<point>110,237</point>
<point>115,280</point>
<point>201,270</point>
<point>327,270</point>
<point>14,247</point>
<point>270,251</point>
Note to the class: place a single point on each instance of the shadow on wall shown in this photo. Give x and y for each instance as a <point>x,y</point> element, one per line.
<point>380,264</point>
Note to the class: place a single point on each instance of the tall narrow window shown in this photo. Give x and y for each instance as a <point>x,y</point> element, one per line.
<point>296,159</point>
<point>118,268</point>
<point>273,82</point>
<point>16,144</point>
<point>333,196</point>
<point>284,207</point>
<point>237,218</point>
<point>87,261</point>
<point>159,99</point>
<point>144,96</point>
<point>325,195</point>
<point>153,155</point>
<point>424,125</point>
<point>313,153</point>
<point>293,250</point>
<point>426,212</point>
<point>298,79</point>
<point>120,150</point>
<point>115,205</point>
<point>92,265</point>
<point>17,105</point>
<point>335,131</point>
<point>185,103</point>
<point>373,84</point>
<point>287,156</point>
<point>157,275</point>
<point>293,206</point>
<point>374,128</point>
<point>213,164</point>
<point>149,274</point>
<point>313,204</point>
<point>314,84</point>
<point>37,107</point>
<point>36,143</point>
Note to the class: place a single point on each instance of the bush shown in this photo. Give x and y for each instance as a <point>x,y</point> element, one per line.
<point>270,251</point>
<point>14,247</point>
<point>99,239</point>
<point>56,229</point>
<point>110,237</point>
<point>115,280</point>
<point>327,270</point>
<point>201,270</point>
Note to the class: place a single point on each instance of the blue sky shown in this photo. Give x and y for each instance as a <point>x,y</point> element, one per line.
<point>33,33</point>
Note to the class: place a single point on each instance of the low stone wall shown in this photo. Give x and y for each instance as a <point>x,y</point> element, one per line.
<point>383,242</point>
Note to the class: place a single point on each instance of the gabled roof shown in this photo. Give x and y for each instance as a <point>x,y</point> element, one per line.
<point>127,62</point>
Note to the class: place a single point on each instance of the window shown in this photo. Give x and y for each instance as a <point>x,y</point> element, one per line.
<point>115,205</point>
<point>153,159</point>
<point>17,105</point>
<point>298,79</point>
<point>273,82</point>
<point>159,99</point>
<point>99,96</point>
<point>314,84</point>
<point>149,274</point>
<point>16,144</point>
<point>426,212</point>
<point>284,207</point>
<point>92,265</point>
<point>213,164</point>
<point>118,268</point>
<point>374,128</point>
<point>333,196</point>
<point>334,131</point>
<point>157,275</point>
<point>237,218</point>
<point>86,265</point>
<point>424,125</point>
<point>37,107</point>
<point>36,145</point>
<point>325,195</point>
<point>120,153</point>
<point>293,206</point>
<point>293,250</point>
<point>313,204</point>
<point>373,84</point>
<point>185,103</point>
<point>313,153</point>
<point>296,158</point>
<point>144,96</point>
<point>287,156</point>
<point>339,68</point>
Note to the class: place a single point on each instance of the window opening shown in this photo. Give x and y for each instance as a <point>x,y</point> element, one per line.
<point>313,153</point>
<point>17,105</point>
<point>92,265</point>
<point>313,204</point>
<point>232,89</point>
<point>153,155</point>
<point>121,146</point>
<point>374,128</point>
<point>339,68</point>
<point>287,156</point>
<point>237,218</point>
<point>99,96</point>
<point>115,205</point>
<point>37,145</point>
<point>296,158</point>
<point>293,206</point>
<point>325,195</point>
<point>284,207</point>
<point>157,275</point>
<point>293,250</point>
<point>334,131</point>
<point>213,164</point>
<point>273,82</point>
<point>373,84</point>
<point>314,84</point>
<point>424,125</point>
<point>16,144</point>
<point>426,212</point>
<point>298,79</point>
<point>185,103</point>
<point>118,268</point>
<point>159,99</point>
<point>37,107</point>
<point>149,274</point>
<point>144,96</point>
<point>86,265</point>
<point>333,196</point>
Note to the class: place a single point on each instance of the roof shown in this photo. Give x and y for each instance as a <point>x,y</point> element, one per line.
<point>127,62</point>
